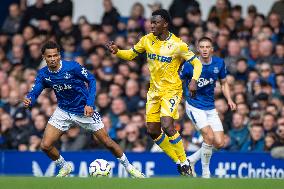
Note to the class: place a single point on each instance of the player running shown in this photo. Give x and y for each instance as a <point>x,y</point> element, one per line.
<point>165,53</point>
<point>201,110</point>
<point>75,106</point>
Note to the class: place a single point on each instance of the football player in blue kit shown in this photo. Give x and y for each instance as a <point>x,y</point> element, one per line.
<point>201,109</point>
<point>75,106</point>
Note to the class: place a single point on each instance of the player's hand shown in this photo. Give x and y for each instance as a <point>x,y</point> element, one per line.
<point>192,88</point>
<point>112,47</point>
<point>27,102</point>
<point>232,105</point>
<point>88,111</point>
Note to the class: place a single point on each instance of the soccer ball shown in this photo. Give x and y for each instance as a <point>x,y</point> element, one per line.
<point>99,168</point>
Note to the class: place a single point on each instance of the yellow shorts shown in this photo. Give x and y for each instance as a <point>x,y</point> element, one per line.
<point>160,104</point>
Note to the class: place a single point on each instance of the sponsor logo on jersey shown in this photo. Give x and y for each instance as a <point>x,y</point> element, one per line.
<point>62,87</point>
<point>160,58</point>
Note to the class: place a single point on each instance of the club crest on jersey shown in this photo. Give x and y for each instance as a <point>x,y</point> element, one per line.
<point>216,70</point>
<point>67,75</point>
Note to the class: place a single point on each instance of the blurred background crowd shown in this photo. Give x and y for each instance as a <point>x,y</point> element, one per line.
<point>252,47</point>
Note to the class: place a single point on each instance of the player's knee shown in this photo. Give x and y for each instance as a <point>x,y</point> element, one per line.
<point>169,130</point>
<point>219,144</point>
<point>45,146</point>
<point>208,136</point>
<point>153,132</point>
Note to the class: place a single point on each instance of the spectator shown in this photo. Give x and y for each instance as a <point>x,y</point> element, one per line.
<point>237,16</point>
<point>278,7</point>
<point>269,141</point>
<point>256,140</point>
<point>103,103</point>
<point>40,122</point>
<point>21,130</point>
<point>6,127</point>
<point>177,11</point>
<point>111,15</point>
<point>12,22</point>
<point>118,107</point>
<point>137,14</point>
<point>73,140</point>
<point>220,11</point>
<point>35,13</point>
<point>155,6</point>
<point>223,109</point>
<point>239,133</point>
<point>278,147</point>
<point>132,96</point>
<point>58,9</point>
<point>132,135</point>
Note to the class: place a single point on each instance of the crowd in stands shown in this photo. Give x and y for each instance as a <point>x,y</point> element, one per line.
<point>252,48</point>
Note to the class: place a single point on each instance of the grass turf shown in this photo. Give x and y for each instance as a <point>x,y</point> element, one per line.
<point>149,183</point>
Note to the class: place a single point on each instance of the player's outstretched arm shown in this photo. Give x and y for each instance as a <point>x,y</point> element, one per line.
<point>227,94</point>
<point>27,102</point>
<point>190,57</point>
<point>35,92</point>
<point>112,47</point>
<point>127,54</point>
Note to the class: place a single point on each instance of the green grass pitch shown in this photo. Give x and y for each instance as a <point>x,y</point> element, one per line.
<point>127,183</point>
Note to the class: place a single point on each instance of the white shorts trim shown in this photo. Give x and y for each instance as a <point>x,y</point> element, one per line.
<point>202,118</point>
<point>63,120</point>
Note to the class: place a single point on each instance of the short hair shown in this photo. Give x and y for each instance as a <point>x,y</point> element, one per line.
<point>164,14</point>
<point>205,39</point>
<point>50,45</point>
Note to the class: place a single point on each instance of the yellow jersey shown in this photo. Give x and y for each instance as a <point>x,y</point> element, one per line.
<point>164,59</point>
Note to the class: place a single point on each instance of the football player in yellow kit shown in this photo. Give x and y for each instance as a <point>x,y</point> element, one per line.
<point>165,53</point>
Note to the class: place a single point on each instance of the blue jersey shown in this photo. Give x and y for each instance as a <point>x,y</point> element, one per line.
<point>69,86</point>
<point>211,72</point>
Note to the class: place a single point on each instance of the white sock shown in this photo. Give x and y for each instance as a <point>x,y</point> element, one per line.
<point>60,162</point>
<point>124,161</point>
<point>206,153</point>
<point>184,163</point>
<point>195,156</point>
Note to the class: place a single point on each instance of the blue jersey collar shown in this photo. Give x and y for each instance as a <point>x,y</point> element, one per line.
<point>58,69</point>
<point>203,63</point>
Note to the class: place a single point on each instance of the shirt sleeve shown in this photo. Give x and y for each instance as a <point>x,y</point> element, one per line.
<point>190,57</point>
<point>36,89</point>
<point>89,78</point>
<point>223,72</point>
<point>133,52</point>
<point>185,53</point>
<point>185,73</point>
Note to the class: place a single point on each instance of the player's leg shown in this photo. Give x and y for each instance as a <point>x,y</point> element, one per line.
<point>219,140</point>
<point>153,125</point>
<point>50,136</point>
<point>206,150</point>
<point>57,124</point>
<point>216,139</point>
<point>96,125</point>
<point>169,112</point>
<point>200,120</point>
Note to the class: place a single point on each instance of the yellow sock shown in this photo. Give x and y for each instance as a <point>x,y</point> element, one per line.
<point>165,145</point>
<point>176,143</point>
